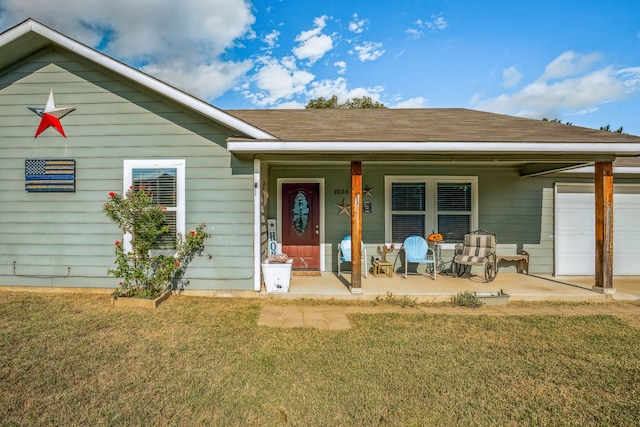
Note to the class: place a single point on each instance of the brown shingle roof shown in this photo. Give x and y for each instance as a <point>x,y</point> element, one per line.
<point>417,125</point>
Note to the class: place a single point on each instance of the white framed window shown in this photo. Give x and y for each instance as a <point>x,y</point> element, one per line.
<point>422,205</point>
<point>165,180</point>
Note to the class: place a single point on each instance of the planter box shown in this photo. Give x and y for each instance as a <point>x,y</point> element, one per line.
<point>277,277</point>
<point>140,302</point>
<point>492,298</point>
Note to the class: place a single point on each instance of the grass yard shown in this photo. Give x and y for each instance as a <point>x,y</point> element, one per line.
<point>75,360</point>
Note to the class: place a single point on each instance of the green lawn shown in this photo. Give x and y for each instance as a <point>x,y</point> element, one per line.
<point>75,360</point>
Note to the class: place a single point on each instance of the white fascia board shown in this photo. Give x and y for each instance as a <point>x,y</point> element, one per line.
<point>137,76</point>
<point>430,147</point>
<point>616,170</point>
<point>15,33</point>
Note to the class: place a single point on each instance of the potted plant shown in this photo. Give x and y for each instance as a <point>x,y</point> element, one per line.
<point>145,272</point>
<point>276,271</point>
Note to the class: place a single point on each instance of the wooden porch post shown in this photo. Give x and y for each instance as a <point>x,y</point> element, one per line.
<point>604,227</point>
<point>356,227</point>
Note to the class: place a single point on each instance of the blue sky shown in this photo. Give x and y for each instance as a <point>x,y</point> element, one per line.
<point>573,60</point>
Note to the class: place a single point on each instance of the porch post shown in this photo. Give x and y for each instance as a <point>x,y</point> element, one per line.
<point>604,227</point>
<point>258,215</point>
<point>356,227</point>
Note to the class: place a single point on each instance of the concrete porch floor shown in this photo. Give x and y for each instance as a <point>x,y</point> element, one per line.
<point>423,289</point>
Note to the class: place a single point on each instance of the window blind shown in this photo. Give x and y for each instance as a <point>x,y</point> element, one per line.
<point>162,183</point>
<point>408,196</point>
<point>404,226</point>
<point>454,197</point>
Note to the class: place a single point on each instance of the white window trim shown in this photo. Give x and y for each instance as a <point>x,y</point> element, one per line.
<point>180,166</point>
<point>431,182</point>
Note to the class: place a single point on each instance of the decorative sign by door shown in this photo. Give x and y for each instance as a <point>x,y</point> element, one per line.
<point>273,244</point>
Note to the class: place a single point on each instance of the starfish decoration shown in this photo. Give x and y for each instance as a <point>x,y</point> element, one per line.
<point>368,191</point>
<point>344,208</point>
<point>51,115</point>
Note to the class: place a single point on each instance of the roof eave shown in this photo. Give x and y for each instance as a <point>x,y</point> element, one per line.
<point>278,146</point>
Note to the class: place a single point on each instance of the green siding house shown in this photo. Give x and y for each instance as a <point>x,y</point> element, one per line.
<point>76,125</point>
<point>124,124</point>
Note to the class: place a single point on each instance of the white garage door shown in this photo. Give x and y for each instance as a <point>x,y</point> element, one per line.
<point>575,230</point>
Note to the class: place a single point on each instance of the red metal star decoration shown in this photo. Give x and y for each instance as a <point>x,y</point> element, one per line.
<point>51,115</point>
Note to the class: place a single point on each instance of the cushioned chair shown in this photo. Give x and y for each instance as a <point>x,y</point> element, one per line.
<point>344,254</point>
<point>417,251</point>
<point>479,248</point>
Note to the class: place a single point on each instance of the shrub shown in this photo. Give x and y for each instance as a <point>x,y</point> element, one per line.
<point>467,299</point>
<point>145,273</point>
<point>391,299</point>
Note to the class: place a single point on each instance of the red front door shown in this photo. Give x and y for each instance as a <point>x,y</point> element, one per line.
<point>301,224</point>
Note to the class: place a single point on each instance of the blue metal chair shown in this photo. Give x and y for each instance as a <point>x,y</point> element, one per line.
<point>417,251</point>
<point>344,254</point>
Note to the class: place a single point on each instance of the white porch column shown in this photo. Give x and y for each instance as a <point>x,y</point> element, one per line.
<point>257,223</point>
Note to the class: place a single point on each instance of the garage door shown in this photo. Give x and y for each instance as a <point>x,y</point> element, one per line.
<point>575,230</point>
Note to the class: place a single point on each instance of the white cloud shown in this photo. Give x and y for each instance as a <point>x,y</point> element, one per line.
<point>569,64</point>
<point>158,35</point>
<point>279,80</point>
<point>271,39</point>
<point>511,76</point>
<point>314,48</point>
<point>417,102</point>
<point>357,25</point>
<point>630,78</point>
<point>204,80</point>
<point>369,51</point>
<point>568,85</point>
<point>437,23</point>
<point>291,105</point>
<point>415,33</point>
<point>313,44</point>
<point>341,66</point>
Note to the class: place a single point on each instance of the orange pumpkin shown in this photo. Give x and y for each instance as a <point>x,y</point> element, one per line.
<point>435,237</point>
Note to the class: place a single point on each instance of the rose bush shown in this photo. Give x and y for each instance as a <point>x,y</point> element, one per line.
<point>143,273</point>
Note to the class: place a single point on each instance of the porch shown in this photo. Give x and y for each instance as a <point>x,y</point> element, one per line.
<point>520,287</point>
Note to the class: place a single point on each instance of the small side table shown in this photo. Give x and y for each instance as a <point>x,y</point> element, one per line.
<point>385,268</point>
<point>521,259</point>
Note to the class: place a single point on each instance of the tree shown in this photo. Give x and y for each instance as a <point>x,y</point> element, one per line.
<point>332,103</point>
<point>607,128</point>
<point>544,119</point>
